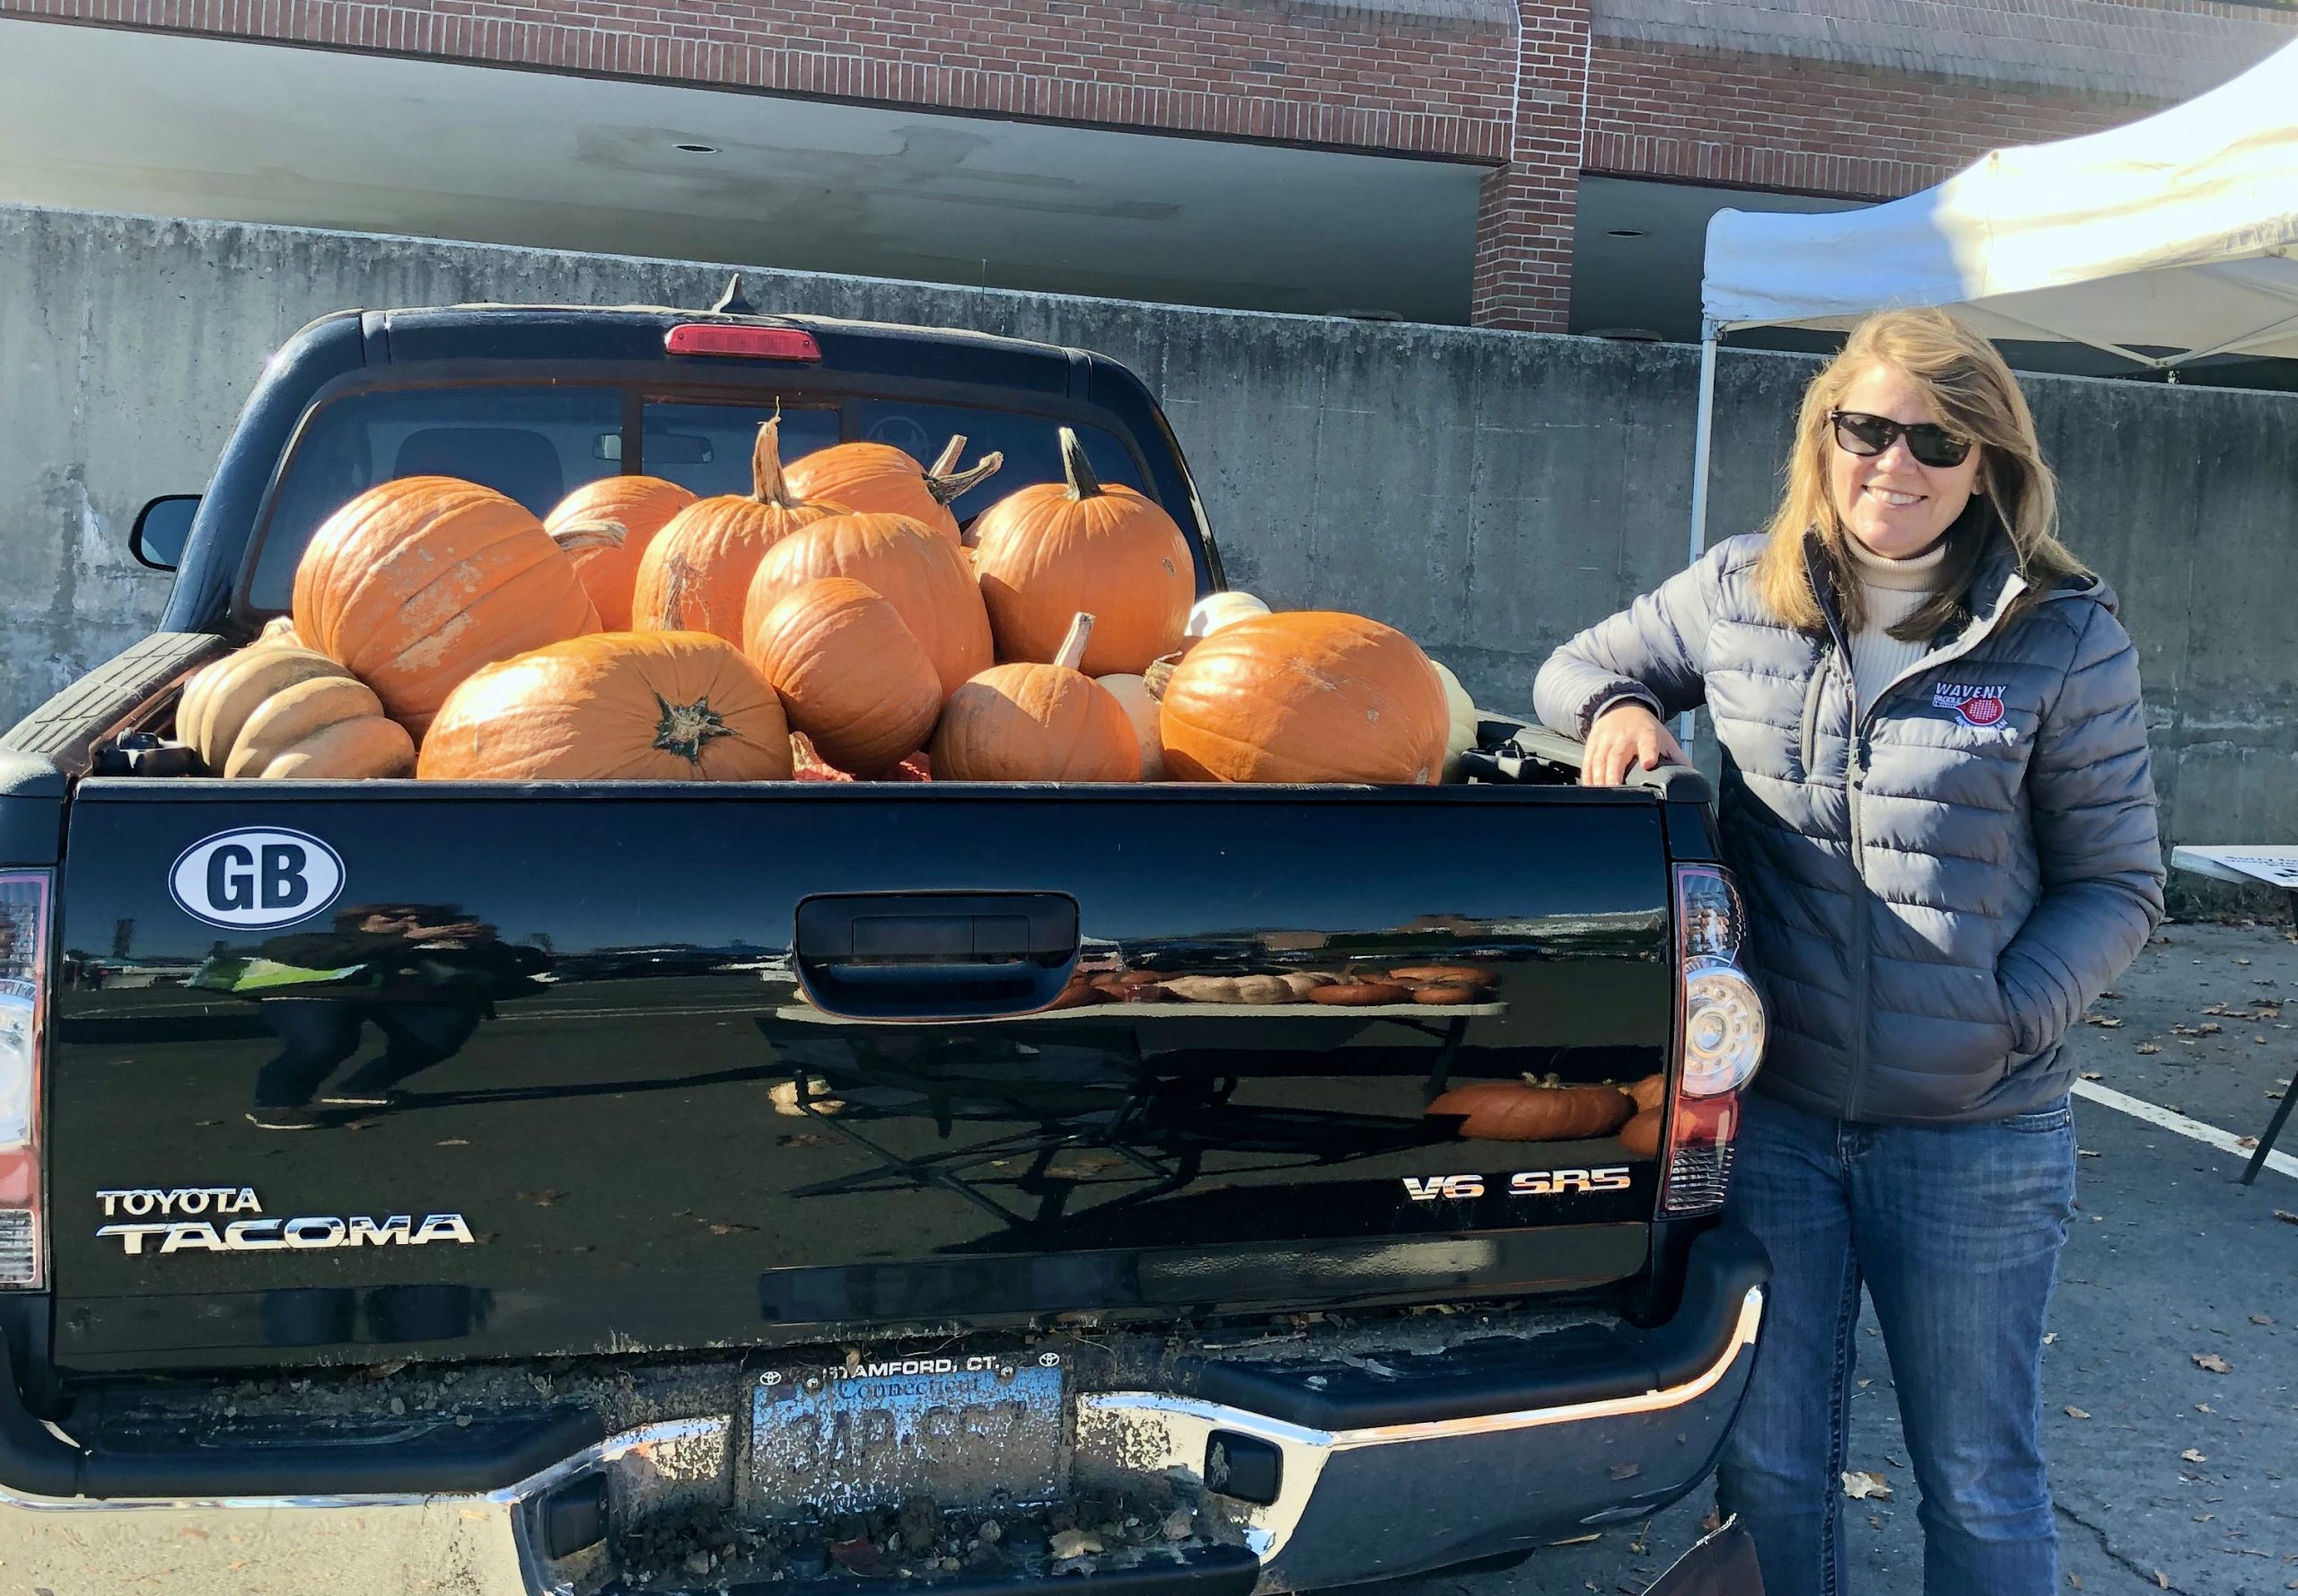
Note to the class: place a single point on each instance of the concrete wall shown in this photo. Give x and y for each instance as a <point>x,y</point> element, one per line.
<point>1487,492</point>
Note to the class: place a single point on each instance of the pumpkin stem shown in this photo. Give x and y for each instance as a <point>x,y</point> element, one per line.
<point>768,487</point>
<point>1073,647</point>
<point>946,486</point>
<point>684,728</point>
<point>590,534</point>
<point>1082,483</point>
<point>946,462</point>
<point>1160,674</point>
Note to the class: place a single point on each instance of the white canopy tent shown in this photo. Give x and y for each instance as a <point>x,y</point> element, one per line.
<point>2173,232</point>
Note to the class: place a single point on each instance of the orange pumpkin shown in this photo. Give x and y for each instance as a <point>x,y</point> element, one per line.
<point>1036,723</point>
<point>614,706</point>
<point>810,766</point>
<point>1533,1112</point>
<point>1047,552</point>
<point>1308,696</point>
<point>879,479</point>
<point>637,508</point>
<point>417,583</point>
<point>853,679</point>
<point>695,576</point>
<point>922,575</point>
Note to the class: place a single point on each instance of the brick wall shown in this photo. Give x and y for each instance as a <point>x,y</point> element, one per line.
<point>1523,236</point>
<point>1417,80</point>
<point>1766,122</point>
<point>1440,78</point>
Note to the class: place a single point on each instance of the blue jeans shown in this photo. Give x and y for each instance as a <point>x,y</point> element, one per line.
<point>1955,1230</point>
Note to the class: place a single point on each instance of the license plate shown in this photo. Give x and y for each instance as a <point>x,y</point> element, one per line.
<point>960,1429</point>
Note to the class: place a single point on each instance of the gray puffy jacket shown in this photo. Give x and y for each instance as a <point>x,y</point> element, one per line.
<point>1934,896</point>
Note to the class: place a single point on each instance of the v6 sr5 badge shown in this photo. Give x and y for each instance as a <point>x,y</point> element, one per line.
<point>1429,1188</point>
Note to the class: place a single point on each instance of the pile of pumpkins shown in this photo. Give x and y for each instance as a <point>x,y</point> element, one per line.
<point>832,624</point>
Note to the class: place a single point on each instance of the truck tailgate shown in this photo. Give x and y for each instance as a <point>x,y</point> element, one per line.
<point>620,1113</point>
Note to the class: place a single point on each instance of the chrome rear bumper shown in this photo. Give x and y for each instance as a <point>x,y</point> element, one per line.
<point>1416,1469</point>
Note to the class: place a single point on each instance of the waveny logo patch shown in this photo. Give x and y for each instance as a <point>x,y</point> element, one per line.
<point>1974,705</point>
<point>256,878</point>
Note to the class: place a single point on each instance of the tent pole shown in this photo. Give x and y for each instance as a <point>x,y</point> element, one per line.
<point>1703,429</point>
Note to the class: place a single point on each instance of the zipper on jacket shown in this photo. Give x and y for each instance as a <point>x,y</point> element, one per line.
<point>1854,772</point>
<point>1811,705</point>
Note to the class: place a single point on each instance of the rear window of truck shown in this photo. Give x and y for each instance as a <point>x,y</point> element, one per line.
<point>539,444</point>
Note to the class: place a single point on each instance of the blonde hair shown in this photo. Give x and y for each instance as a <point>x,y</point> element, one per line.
<point>1972,393</point>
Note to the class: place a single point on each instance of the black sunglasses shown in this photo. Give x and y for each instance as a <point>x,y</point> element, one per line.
<point>1858,433</point>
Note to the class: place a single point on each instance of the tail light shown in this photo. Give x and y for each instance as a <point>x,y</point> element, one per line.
<point>1721,1024</point>
<point>750,343</point>
<point>23,1010</point>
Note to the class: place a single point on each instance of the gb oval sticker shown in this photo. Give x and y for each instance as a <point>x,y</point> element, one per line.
<point>255,879</point>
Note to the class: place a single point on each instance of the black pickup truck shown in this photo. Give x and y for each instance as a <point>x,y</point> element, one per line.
<point>678,1250</point>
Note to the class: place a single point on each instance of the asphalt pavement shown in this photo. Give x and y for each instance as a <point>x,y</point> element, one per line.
<point>2171,1369</point>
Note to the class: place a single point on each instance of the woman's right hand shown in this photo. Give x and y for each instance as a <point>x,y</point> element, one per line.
<point>1627,736</point>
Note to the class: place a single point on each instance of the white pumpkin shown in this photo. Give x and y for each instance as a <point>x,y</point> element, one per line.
<point>1461,737</point>
<point>1216,610</point>
<point>1132,694</point>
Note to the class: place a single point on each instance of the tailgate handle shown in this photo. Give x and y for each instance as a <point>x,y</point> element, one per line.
<point>917,955</point>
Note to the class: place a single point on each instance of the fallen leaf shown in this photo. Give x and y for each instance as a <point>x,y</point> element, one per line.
<point>2077,1413</point>
<point>1627,1470</point>
<point>2191,1456</point>
<point>2287,1216</point>
<point>2208,1028</point>
<point>2162,1579</point>
<point>2074,1582</point>
<point>542,1199</point>
<point>1580,1539</point>
<point>2103,1022</point>
<point>454,1141</point>
<point>784,1096</point>
<point>2095,1076</point>
<point>2204,1408</point>
<point>2150,1047</point>
<point>2086,1153</point>
<point>2109,994</point>
<point>728,1227</point>
<point>2246,1143</point>
<point>1074,1543</point>
<point>2212,1362</point>
<point>2048,1336</point>
<point>1859,1483</point>
<point>2261,1319</point>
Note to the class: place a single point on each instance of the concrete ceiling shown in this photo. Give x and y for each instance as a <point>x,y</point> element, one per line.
<point>151,124</point>
<point>1650,282</point>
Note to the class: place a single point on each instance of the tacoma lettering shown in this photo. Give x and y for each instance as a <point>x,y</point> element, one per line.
<point>309,1233</point>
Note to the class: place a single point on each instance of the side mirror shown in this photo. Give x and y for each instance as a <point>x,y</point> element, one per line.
<point>161,529</point>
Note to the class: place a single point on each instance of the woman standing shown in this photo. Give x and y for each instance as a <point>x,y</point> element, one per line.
<point>1936,801</point>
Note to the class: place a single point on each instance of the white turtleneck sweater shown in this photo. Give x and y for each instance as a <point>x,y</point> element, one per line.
<point>1893,590</point>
